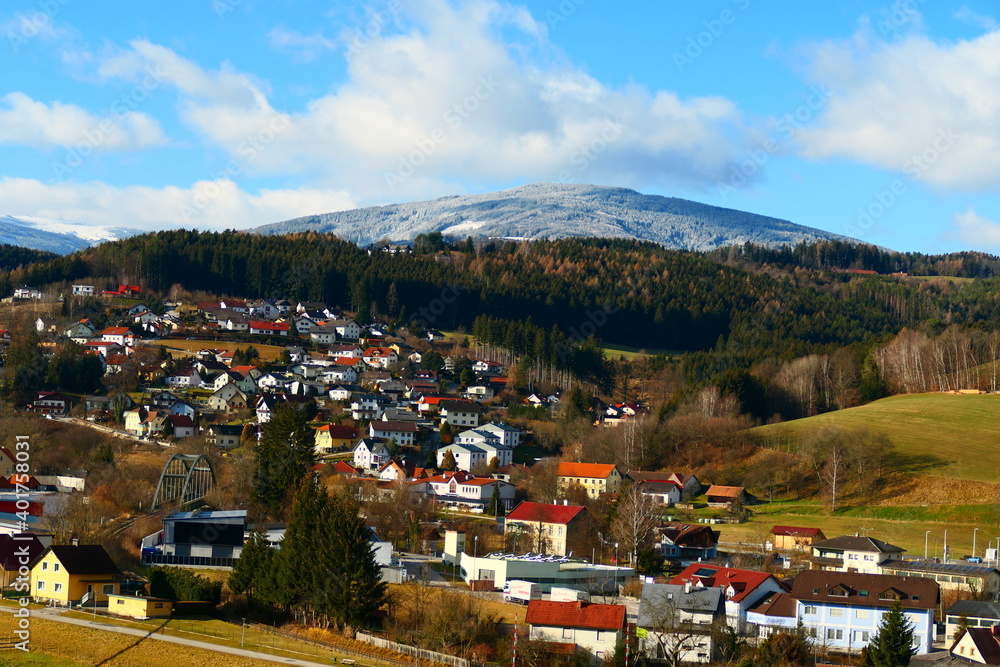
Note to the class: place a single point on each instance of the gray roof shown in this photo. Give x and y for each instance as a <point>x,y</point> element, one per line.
<point>858,543</point>
<point>975,609</point>
<point>940,568</point>
<point>658,598</point>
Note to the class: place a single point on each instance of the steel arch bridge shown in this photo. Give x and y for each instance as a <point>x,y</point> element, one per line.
<point>185,478</point>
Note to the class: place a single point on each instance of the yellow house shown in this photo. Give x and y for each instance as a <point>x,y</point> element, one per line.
<point>7,462</point>
<point>64,573</point>
<point>596,478</point>
<point>139,606</point>
<point>335,437</point>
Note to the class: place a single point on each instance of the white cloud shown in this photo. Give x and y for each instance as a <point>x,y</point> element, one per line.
<point>974,230</point>
<point>27,122</point>
<point>891,102</point>
<point>208,204</point>
<point>474,93</point>
<point>303,48</point>
<point>981,20</point>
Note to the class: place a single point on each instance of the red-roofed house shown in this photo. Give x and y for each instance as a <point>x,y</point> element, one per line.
<point>381,357</point>
<point>741,588</point>
<point>795,538</point>
<point>269,328</point>
<point>550,527</point>
<point>594,628</point>
<point>121,335</point>
<point>596,478</point>
<point>462,490</point>
<point>182,425</point>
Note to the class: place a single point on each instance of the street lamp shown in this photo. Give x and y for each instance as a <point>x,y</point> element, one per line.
<point>926,535</point>
<point>616,568</point>
<point>475,546</point>
<point>974,542</point>
<point>243,636</point>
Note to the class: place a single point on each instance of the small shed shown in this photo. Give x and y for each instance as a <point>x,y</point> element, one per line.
<point>139,607</point>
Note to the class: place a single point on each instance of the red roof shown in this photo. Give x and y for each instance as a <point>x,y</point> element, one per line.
<point>115,331</point>
<point>535,512</point>
<point>725,491</point>
<point>576,615</point>
<point>590,470</point>
<point>713,576</point>
<point>378,352</point>
<point>269,326</point>
<point>343,467</point>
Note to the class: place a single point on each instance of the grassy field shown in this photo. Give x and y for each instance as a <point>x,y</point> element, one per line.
<point>267,352</point>
<point>59,644</point>
<point>614,351</point>
<point>903,526</point>
<point>947,435</point>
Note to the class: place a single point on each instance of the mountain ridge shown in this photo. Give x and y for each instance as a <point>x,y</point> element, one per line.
<point>552,210</point>
<point>57,236</point>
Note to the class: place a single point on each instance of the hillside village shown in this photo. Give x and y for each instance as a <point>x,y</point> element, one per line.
<point>435,444</point>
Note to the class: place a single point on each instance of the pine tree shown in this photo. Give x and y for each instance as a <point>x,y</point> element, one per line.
<point>285,452</point>
<point>892,645</point>
<point>253,566</point>
<point>346,580</point>
<point>300,547</point>
<point>496,503</point>
<point>448,461</point>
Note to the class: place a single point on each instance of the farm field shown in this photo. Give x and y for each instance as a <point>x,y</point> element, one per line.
<point>948,435</point>
<point>267,352</point>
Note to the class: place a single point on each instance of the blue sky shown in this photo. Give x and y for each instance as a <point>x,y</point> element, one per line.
<point>874,120</point>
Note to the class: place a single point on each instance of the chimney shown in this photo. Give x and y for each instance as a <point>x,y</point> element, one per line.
<point>75,542</point>
<point>687,587</point>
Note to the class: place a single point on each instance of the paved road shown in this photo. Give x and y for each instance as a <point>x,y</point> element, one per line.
<point>55,615</point>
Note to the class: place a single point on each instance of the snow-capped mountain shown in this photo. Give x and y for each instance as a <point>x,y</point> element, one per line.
<point>552,210</point>
<point>57,236</point>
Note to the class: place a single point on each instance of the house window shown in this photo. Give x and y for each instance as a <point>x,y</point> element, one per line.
<point>810,610</point>
<point>836,612</point>
<point>109,589</point>
<point>601,636</point>
<point>157,605</point>
<point>40,586</point>
<point>55,567</point>
<point>57,588</point>
<point>120,601</point>
<point>567,633</point>
<point>862,613</point>
<point>834,633</point>
<point>862,636</point>
<point>45,565</point>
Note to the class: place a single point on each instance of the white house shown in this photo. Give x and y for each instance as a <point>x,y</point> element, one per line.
<point>460,489</point>
<point>741,588</point>
<point>347,329</point>
<point>467,457</point>
<point>676,622</point>
<point>370,454</point>
<point>509,436</point>
<point>404,433</point>
<point>854,553</point>
<point>83,290</point>
<point>459,413</point>
<point>595,628</point>
<point>184,377</point>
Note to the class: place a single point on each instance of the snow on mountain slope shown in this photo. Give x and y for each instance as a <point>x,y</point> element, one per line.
<point>55,235</point>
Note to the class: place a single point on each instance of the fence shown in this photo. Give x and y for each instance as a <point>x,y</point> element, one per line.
<point>415,652</point>
<point>189,561</point>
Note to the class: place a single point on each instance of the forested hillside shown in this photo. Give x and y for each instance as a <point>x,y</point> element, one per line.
<point>730,309</point>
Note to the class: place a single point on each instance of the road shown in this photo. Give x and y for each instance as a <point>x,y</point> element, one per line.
<point>56,615</point>
<point>108,430</point>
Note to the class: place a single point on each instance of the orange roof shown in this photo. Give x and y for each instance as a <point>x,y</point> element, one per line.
<point>244,370</point>
<point>115,331</point>
<point>726,491</point>
<point>590,470</point>
<point>378,351</point>
<point>576,615</point>
<point>347,361</point>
